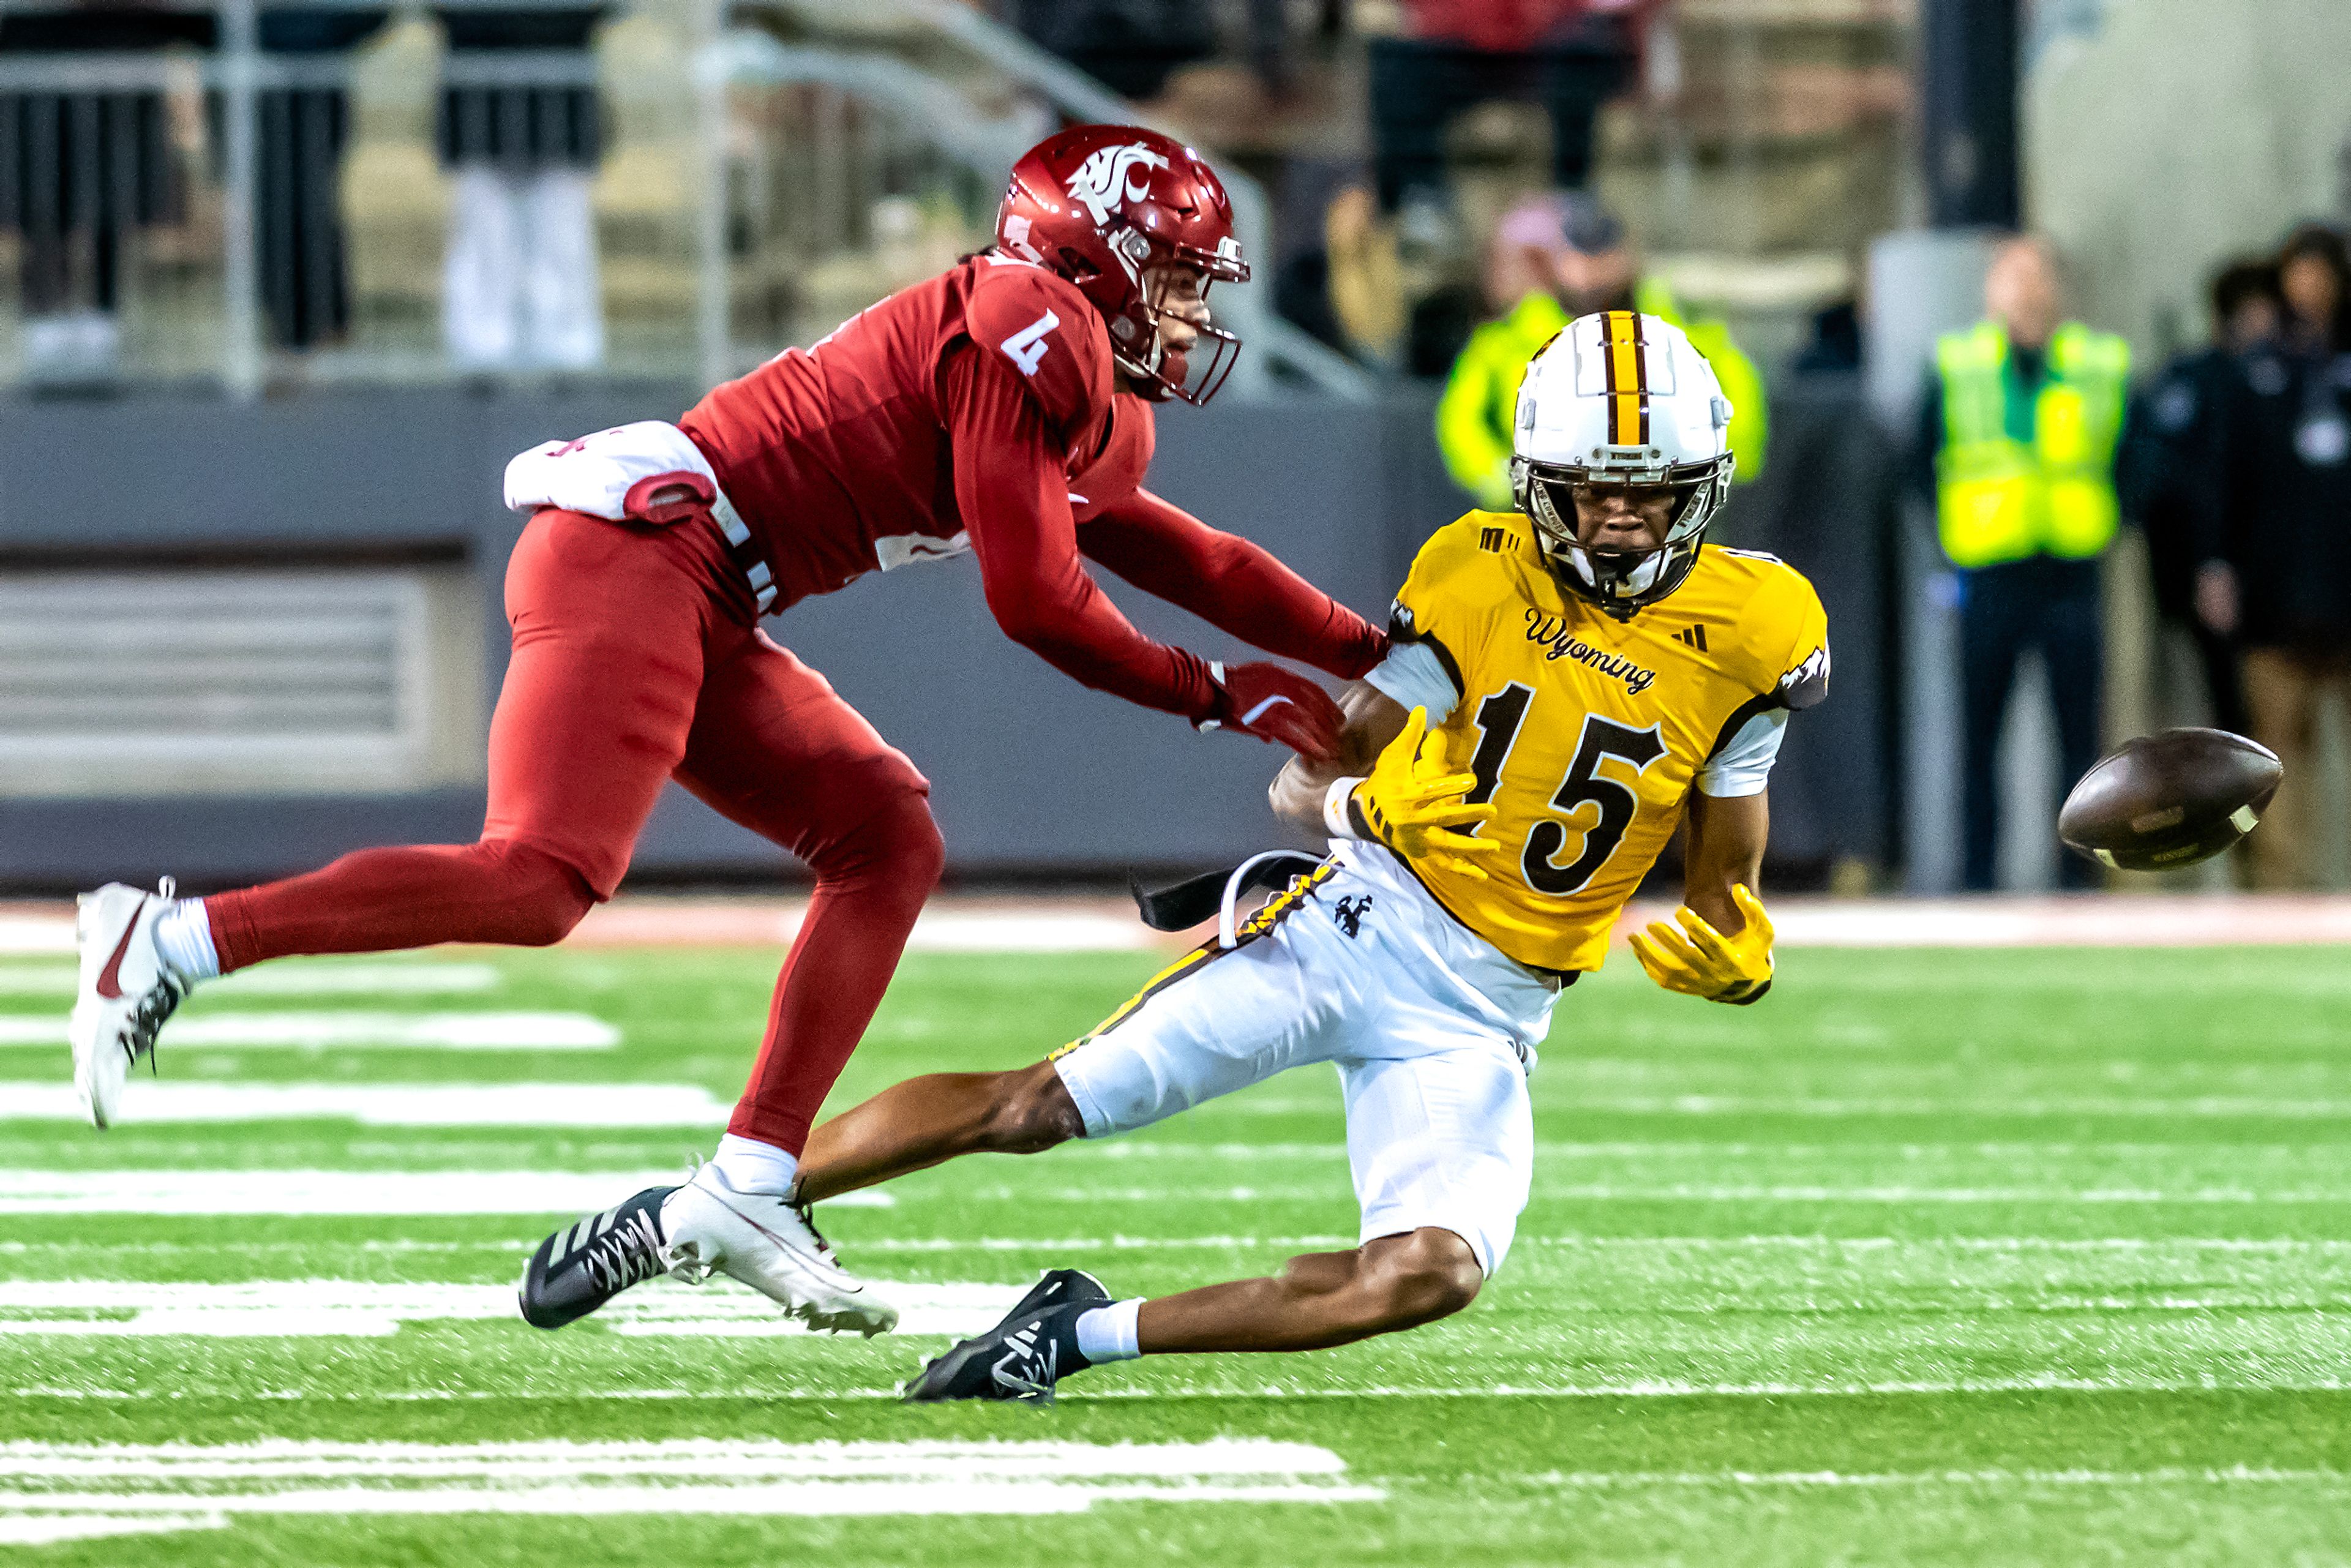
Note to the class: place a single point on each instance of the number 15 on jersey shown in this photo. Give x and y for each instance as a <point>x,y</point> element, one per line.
<point>1613,803</point>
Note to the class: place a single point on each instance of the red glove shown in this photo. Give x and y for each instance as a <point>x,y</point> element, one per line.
<point>1276,705</point>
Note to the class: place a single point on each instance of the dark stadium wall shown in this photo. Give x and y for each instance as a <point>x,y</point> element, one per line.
<point>1031,773</point>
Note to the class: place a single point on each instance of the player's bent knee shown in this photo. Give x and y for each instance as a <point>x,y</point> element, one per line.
<point>543,898</point>
<point>896,836</point>
<point>923,848</point>
<point>1033,1112</point>
<point>1416,1279</point>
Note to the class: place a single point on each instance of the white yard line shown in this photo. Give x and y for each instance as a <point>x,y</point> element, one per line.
<point>26,930</point>
<point>1842,1246</point>
<point>1680,1192</point>
<point>943,1495</point>
<point>147,1100</point>
<point>307,1308</point>
<point>1701,1192</point>
<point>2185,1244</point>
<point>348,1031</point>
<point>1689,1388</point>
<point>49,1529</point>
<point>1995,1479</point>
<point>1049,923</point>
<point>1961,1153</point>
<point>308,1459</point>
<point>1331,1242</point>
<point>2193,920</point>
<point>2023,1107</point>
<point>299,977</point>
<point>172,1483</point>
<point>1083,922</point>
<point>31,1191</point>
<point>359,1308</point>
<point>328,1192</point>
<point>1603,1388</point>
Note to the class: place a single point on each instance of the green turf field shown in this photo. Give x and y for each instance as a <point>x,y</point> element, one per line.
<point>1934,1256</point>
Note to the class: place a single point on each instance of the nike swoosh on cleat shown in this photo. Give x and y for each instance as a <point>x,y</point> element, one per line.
<point>784,1242</point>
<point>109,979</point>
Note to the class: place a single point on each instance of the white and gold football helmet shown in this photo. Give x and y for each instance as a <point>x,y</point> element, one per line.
<point>1620,398</point>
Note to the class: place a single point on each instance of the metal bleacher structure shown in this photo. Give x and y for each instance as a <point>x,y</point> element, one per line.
<point>250,608</point>
<point>756,191</point>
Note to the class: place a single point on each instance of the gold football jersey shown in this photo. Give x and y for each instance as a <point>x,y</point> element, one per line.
<point>1586,733</point>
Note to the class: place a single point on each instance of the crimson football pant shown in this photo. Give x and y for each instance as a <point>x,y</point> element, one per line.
<point>637,660</point>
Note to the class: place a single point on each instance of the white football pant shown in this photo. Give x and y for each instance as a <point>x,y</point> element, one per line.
<point>1431,1027</point>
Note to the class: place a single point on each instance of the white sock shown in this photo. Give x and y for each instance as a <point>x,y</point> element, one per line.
<point>184,934</point>
<point>1110,1333</point>
<point>751,1165</point>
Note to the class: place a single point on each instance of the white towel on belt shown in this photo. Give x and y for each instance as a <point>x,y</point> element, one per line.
<point>613,473</point>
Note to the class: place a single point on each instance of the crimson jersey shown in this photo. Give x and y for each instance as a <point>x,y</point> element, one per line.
<point>978,410</point>
<point>840,458</point>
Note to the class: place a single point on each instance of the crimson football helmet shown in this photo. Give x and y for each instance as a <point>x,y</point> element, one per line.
<point>1104,206</point>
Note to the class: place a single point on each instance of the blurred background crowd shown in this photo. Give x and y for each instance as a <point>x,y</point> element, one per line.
<point>2037,320</point>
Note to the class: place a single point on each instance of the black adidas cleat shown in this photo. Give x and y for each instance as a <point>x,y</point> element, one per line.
<point>1059,1286</point>
<point>1024,1355</point>
<point>586,1264</point>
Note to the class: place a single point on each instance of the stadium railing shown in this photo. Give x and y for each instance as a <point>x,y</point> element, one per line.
<point>753,194</point>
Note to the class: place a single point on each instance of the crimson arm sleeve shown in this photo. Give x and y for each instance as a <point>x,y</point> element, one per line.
<point>1013,495</point>
<point>1234,585</point>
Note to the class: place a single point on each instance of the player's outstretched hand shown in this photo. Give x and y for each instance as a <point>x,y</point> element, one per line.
<point>1416,807</point>
<point>1279,705</point>
<point>1700,961</point>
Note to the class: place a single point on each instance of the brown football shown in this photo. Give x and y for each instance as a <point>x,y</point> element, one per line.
<point>2169,799</point>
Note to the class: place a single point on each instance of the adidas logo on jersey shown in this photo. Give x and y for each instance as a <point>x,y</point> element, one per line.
<point>1494,539</point>
<point>1692,636</point>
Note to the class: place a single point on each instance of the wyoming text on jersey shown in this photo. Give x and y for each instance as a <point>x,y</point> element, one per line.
<point>1564,643</point>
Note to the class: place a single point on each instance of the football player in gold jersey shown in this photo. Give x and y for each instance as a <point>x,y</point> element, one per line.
<point>1568,684</point>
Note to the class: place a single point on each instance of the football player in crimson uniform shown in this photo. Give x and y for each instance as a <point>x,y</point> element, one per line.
<point>1003,408</point>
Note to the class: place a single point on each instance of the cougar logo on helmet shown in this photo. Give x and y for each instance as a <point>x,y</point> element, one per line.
<point>1105,206</point>
<point>1104,183</point>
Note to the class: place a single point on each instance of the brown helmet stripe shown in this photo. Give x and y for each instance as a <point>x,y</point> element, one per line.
<point>1628,383</point>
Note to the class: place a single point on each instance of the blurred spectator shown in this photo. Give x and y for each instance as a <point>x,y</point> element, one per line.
<point>520,288</point>
<point>2172,463</point>
<point>297,195</point>
<point>2283,515</point>
<point>1129,46</point>
<point>1270,51</point>
<point>1833,345</point>
<point>84,170</point>
<point>2019,428</point>
<point>1552,260</point>
<point>1350,292</point>
<point>1439,269</point>
<point>78,173</point>
<point>1568,55</point>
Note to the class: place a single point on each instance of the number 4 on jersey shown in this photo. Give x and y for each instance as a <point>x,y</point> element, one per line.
<point>1026,347</point>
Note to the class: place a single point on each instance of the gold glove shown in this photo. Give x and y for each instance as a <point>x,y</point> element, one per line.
<point>1404,802</point>
<point>1706,963</point>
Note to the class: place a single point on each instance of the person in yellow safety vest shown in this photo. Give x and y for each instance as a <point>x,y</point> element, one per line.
<point>1559,260</point>
<point>2022,417</point>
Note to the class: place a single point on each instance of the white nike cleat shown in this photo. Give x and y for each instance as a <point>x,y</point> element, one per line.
<point>127,990</point>
<point>767,1242</point>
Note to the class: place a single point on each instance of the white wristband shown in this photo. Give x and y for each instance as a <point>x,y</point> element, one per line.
<point>1335,815</point>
